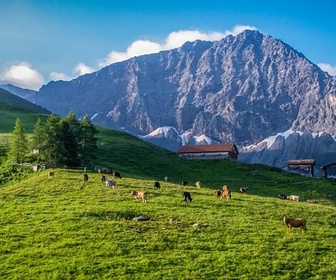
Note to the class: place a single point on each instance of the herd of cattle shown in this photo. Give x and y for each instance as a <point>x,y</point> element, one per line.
<point>224,193</point>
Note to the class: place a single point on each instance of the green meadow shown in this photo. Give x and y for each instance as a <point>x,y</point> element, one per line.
<point>60,228</point>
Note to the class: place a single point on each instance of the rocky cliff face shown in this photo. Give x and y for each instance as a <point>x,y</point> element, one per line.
<point>241,89</point>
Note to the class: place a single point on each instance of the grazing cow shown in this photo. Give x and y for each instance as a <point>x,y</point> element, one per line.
<point>226,193</point>
<point>184,183</point>
<point>157,185</point>
<point>295,223</point>
<point>110,183</point>
<point>85,178</point>
<point>218,193</point>
<point>243,190</point>
<point>282,196</point>
<point>166,179</point>
<point>293,197</point>
<point>103,178</point>
<point>312,201</point>
<point>51,174</point>
<point>186,196</point>
<point>117,175</point>
<point>198,184</point>
<point>104,170</point>
<point>139,196</point>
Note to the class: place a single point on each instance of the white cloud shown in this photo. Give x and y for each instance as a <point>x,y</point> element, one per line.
<point>328,68</point>
<point>56,76</point>
<point>82,69</point>
<point>137,48</point>
<point>23,75</point>
<point>174,40</point>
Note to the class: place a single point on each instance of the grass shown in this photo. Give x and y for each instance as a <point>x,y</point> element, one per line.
<point>59,229</point>
<point>9,113</point>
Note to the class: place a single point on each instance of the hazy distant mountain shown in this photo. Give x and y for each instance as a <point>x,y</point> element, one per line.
<point>24,93</point>
<point>13,99</point>
<point>240,89</point>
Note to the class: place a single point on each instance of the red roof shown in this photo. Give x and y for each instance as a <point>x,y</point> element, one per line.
<point>208,148</point>
<point>301,162</point>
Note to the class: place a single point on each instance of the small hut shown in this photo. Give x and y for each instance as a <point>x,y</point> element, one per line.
<point>329,171</point>
<point>302,166</point>
<point>217,151</point>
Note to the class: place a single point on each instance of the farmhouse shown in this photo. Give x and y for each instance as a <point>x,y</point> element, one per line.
<point>218,151</point>
<point>301,166</point>
<point>329,171</point>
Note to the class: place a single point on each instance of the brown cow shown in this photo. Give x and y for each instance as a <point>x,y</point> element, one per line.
<point>226,193</point>
<point>139,196</point>
<point>51,174</point>
<point>295,223</point>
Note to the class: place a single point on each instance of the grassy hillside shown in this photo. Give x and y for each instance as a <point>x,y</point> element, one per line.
<point>138,159</point>
<point>9,113</point>
<point>9,98</point>
<point>61,229</point>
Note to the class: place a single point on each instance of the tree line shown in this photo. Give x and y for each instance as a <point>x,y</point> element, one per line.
<point>60,141</point>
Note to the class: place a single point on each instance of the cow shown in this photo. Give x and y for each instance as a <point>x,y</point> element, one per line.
<point>157,185</point>
<point>184,183</point>
<point>166,179</point>
<point>243,189</point>
<point>295,223</point>
<point>282,196</point>
<point>293,197</point>
<point>103,178</point>
<point>226,193</point>
<point>110,183</point>
<point>198,184</point>
<point>51,174</point>
<point>139,196</point>
<point>218,193</point>
<point>117,175</point>
<point>85,177</point>
<point>186,196</point>
<point>312,201</point>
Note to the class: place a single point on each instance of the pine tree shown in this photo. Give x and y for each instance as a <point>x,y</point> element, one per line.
<point>18,144</point>
<point>39,134</point>
<point>70,154</point>
<point>88,142</point>
<point>53,146</point>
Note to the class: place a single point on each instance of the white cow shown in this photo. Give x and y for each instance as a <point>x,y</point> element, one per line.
<point>110,183</point>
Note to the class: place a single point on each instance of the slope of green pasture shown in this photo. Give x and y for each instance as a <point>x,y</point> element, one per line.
<point>9,113</point>
<point>10,98</point>
<point>61,229</point>
<point>138,159</point>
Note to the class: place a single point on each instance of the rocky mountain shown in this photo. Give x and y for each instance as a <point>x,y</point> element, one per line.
<point>240,89</point>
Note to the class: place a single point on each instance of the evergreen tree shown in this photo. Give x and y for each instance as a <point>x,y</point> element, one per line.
<point>70,153</point>
<point>53,146</point>
<point>18,144</point>
<point>88,142</point>
<point>39,134</point>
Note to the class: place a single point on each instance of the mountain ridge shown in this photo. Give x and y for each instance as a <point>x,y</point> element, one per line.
<point>240,89</point>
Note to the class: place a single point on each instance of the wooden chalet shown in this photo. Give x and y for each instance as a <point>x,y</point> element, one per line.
<point>218,151</point>
<point>302,166</point>
<point>329,171</point>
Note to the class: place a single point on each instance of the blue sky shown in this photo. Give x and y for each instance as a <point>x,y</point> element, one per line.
<point>43,40</point>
